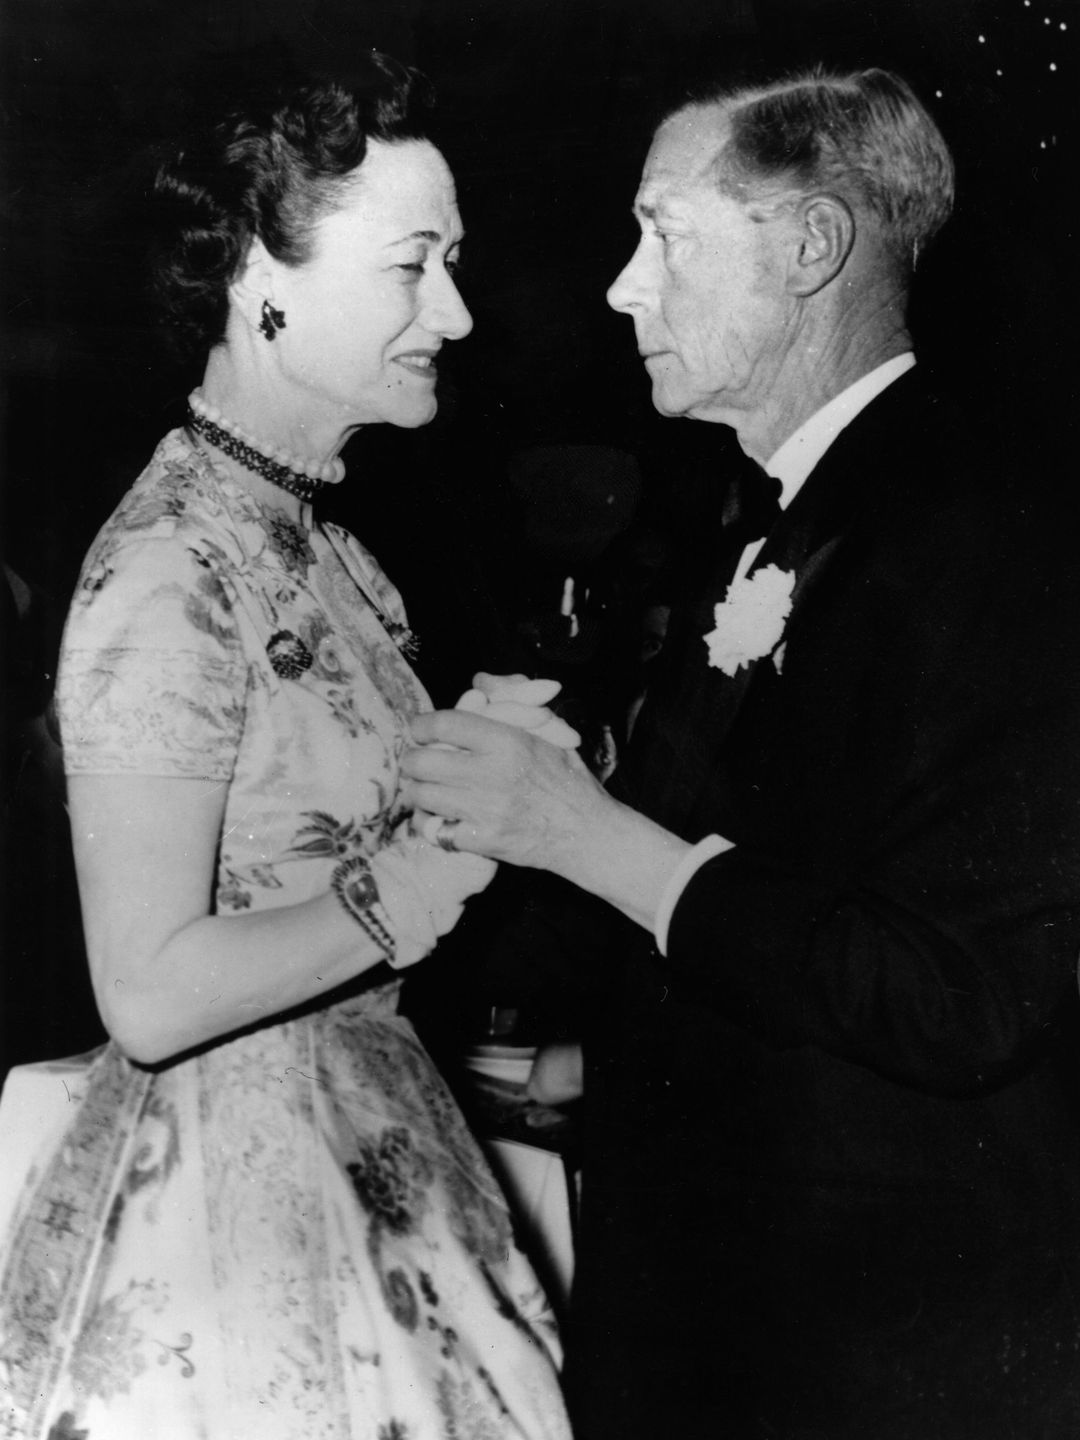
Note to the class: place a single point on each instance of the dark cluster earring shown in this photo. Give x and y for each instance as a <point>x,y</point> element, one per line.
<point>272,320</point>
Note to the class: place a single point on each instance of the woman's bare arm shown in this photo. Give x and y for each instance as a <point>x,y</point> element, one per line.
<point>167,974</point>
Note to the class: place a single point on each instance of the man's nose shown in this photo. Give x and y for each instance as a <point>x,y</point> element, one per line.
<point>627,292</point>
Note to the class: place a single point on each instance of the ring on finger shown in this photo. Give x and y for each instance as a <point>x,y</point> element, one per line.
<point>446,835</point>
<point>437,830</point>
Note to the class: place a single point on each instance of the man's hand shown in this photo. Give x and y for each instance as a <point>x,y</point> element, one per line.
<point>519,798</point>
<point>527,802</point>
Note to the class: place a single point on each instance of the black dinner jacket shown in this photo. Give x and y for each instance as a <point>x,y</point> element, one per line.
<point>844,1102</point>
<point>903,776</point>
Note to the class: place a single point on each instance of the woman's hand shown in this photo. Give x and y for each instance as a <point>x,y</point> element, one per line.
<point>517,700</point>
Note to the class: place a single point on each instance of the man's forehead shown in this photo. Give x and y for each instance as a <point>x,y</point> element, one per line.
<point>682,156</point>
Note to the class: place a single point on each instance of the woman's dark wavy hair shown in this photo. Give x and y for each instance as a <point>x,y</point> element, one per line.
<point>269,167</point>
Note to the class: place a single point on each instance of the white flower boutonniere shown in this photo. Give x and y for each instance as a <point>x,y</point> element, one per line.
<point>750,620</point>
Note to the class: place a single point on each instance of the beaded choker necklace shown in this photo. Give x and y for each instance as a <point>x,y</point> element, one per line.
<point>304,479</point>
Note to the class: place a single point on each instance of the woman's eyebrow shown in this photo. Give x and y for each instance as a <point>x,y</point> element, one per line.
<point>432,236</point>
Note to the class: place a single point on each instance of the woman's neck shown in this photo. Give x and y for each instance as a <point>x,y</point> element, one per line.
<point>257,403</point>
<point>265,447</point>
<point>269,496</point>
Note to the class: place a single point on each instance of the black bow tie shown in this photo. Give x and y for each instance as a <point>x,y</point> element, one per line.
<point>752,503</point>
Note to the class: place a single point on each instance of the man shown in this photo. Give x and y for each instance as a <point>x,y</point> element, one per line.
<point>832,1183</point>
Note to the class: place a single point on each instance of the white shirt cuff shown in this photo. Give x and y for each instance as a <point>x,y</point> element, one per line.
<point>688,867</point>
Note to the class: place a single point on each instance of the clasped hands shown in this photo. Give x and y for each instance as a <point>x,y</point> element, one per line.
<point>506,768</point>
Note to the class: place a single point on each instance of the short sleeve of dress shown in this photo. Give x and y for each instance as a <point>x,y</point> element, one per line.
<point>153,677</point>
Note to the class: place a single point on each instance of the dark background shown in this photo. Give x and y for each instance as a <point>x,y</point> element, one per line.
<point>548,106</point>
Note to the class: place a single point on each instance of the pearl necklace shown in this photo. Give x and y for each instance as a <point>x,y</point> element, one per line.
<point>302,478</point>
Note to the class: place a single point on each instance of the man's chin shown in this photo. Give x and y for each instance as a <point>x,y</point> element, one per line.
<point>679,404</point>
<point>669,402</point>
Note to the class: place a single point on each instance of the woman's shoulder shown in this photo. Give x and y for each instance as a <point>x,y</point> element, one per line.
<point>172,528</point>
<point>175,497</point>
<point>173,507</point>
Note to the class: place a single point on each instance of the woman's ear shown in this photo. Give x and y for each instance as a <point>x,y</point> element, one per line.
<point>253,284</point>
<point>825,236</point>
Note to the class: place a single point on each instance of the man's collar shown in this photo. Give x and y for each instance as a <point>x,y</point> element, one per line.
<point>800,452</point>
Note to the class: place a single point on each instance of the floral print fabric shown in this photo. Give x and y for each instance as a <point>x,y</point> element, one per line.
<point>291,1235</point>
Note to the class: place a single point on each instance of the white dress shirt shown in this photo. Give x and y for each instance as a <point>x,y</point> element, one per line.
<point>791,464</point>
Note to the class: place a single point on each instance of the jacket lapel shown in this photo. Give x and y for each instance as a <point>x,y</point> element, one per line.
<point>692,707</point>
<point>790,548</point>
<point>799,544</point>
<point>812,532</point>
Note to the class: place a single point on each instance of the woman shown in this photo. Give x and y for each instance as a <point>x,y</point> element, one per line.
<point>282,1228</point>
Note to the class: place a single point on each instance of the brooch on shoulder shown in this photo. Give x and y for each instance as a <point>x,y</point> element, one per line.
<point>407,640</point>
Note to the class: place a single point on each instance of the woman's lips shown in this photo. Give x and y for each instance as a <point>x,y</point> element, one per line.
<point>418,362</point>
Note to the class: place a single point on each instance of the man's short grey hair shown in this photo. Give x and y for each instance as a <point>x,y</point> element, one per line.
<point>863,136</point>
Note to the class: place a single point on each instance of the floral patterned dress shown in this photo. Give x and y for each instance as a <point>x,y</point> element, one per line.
<point>291,1235</point>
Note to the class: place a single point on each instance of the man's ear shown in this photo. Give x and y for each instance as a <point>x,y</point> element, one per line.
<point>824,237</point>
<point>254,283</point>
